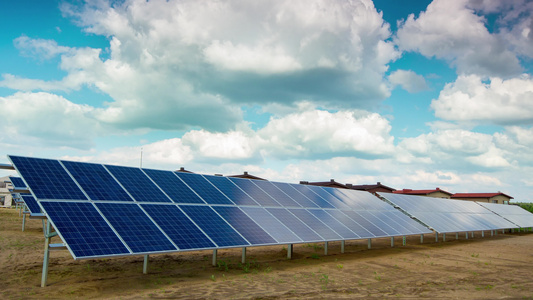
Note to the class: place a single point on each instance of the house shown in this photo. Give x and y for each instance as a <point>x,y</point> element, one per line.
<point>498,197</point>
<point>436,193</point>
<point>331,183</point>
<point>6,200</point>
<point>371,188</point>
<point>182,169</point>
<point>246,175</point>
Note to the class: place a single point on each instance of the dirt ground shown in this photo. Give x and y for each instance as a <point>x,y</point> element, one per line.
<point>479,268</point>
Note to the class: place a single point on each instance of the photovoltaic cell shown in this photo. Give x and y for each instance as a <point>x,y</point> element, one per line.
<point>96,181</point>
<point>232,191</point>
<point>178,191</point>
<point>298,227</point>
<point>270,224</point>
<point>135,228</point>
<point>334,224</point>
<point>315,224</point>
<point>293,193</point>
<point>327,197</point>
<point>17,183</point>
<point>140,187</point>
<point>348,222</point>
<point>204,188</point>
<point>31,203</point>
<point>244,225</point>
<point>182,231</point>
<point>83,229</point>
<point>214,226</point>
<point>47,179</point>
<point>515,214</point>
<point>365,223</point>
<point>254,191</point>
<point>274,192</point>
<point>379,221</point>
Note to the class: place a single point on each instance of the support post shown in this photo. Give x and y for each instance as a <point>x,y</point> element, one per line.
<point>289,251</point>
<point>482,233</point>
<point>466,235</point>
<point>444,237</point>
<point>325,248</point>
<point>457,235</point>
<point>391,241</point>
<point>214,257</point>
<point>145,264</point>
<point>342,246</point>
<point>23,222</point>
<point>472,234</point>
<point>404,240</point>
<point>243,259</point>
<point>436,237</point>
<point>421,239</point>
<point>369,243</point>
<point>46,255</point>
<point>492,233</point>
<point>503,231</point>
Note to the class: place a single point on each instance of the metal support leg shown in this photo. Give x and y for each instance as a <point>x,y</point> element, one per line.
<point>342,246</point>
<point>482,234</point>
<point>145,265</point>
<point>421,239</point>
<point>404,240</point>
<point>436,237</point>
<point>503,231</point>
<point>214,257</point>
<point>492,233</point>
<point>391,241</point>
<point>444,237</point>
<point>369,243</point>
<point>325,248</point>
<point>243,259</point>
<point>457,235</point>
<point>23,221</point>
<point>46,255</point>
<point>466,235</point>
<point>289,251</point>
<point>472,234</point>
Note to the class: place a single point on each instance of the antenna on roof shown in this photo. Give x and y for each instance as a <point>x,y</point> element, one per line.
<point>141,163</point>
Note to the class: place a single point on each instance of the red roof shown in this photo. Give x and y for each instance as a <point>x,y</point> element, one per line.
<point>479,195</point>
<point>420,192</point>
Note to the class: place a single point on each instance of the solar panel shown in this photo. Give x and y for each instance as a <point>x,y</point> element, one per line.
<point>96,181</point>
<point>323,230</point>
<point>270,224</point>
<point>274,192</point>
<point>350,223</point>
<point>47,178</point>
<point>298,227</point>
<point>325,199</point>
<point>295,195</point>
<point>83,229</point>
<point>232,191</point>
<point>178,191</point>
<point>515,214</point>
<point>204,188</point>
<point>140,187</point>
<point>135,228</point>
<point>259,195</point>
<point>371,227</point>
<point>334,224</point>
<point>447,215</point>
<point>245,226</point>
<point>17,183</point>
<point>182,231</point>
<point>214,226</point>
<point>31,203</point>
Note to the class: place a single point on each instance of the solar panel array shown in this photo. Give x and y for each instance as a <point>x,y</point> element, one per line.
<point>512,213</point>
<point>447,215</point>
<point>17,183</point>
<point>102,210</point>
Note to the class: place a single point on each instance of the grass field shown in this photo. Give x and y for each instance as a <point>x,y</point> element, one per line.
<point>478,268</point>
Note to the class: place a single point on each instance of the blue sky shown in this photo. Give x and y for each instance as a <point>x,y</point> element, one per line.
<point>414,94</point>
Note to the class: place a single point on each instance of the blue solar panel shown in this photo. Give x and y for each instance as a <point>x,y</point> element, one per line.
<point>47,178</point>
<point>365,223</point>
<point>325,199</point>
<point>204,188</point>
<point>233,192</point>
<point>17,183</point>
<point>244,225</point>
<point>376,220</point>
<point>298,227</point>
<point>315,224</point>
<point>31,203</point>
<point>83,229</point>
<point>96,181</point>
<point>295,195</point>
<point>253,190</point>
<point>135,228</point>
<point>178,227</point>
<point>406,222</point>
<point>271,225</point>
<point>214,226</point>
<point>334,224</point>
<point>348,222</point>
<point>173,186</point>
<point>276,193</point>
<point>138,184</point>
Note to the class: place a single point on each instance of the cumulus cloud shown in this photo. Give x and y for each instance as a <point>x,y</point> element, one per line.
<point>470,99</point>
<point>451,30</point>
<point>408,80</point>
<point>39,48</point>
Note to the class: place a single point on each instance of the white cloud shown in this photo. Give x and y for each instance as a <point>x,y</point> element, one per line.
<point>469,99</point>
<point>408,80</point>
<point>39,48</point>
<point>451,30</point>
<point>233,145</point>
